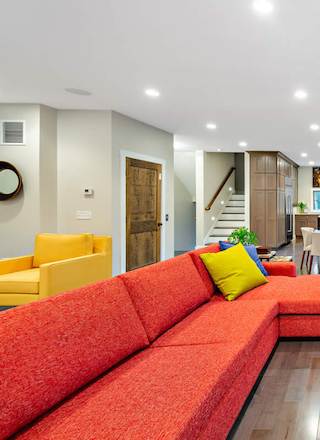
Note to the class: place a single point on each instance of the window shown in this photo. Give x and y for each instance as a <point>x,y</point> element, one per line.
<point>316,200</point>
<point>12,132</point>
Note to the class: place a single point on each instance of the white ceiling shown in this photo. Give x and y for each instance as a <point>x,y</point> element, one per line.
<point>212,61</point>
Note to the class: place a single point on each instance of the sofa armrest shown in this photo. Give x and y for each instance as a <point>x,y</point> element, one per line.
<point>17,264</point>
<point>64,275</point>
<point>280,268</point>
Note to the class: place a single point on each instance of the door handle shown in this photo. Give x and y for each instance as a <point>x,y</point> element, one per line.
<point>159,224</point>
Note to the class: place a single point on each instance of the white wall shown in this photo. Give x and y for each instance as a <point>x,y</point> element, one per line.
<point>184,214</point>
<point>184,200</point>
<point>134,136</point>
<point>20,216</point>
<point>84,160</point>
<point>216,168</point>
<point>247,188</point>
<point>200,212</point>
<point>48,169</point>
<point>185,169</point>
<point>305,184</point>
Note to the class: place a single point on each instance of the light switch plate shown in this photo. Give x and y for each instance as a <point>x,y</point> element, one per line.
<point>83,215</point>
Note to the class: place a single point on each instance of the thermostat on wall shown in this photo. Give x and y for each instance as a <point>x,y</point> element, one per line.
<point>88,191</point>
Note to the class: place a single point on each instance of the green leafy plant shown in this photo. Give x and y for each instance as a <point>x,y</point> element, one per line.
<point>244,236</point>
<point>301,205</point>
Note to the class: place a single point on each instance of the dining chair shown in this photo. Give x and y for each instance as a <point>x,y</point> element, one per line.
<point>315,248</point>
<point>307,239</point>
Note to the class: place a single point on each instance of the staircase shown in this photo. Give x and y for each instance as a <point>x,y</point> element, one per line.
<point>232,217</point>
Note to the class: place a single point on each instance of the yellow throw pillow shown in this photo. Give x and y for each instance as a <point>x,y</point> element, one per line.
<point>233,271</point>
<point>53,247</point>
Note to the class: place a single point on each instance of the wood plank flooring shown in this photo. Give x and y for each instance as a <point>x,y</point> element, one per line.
<point>286,404</point>
<point>295,249</point>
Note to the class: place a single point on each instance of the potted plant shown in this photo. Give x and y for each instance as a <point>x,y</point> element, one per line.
<point>302,205</point>
<point>244,236</point>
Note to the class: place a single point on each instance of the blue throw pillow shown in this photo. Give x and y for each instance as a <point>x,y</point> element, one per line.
<point>252,251</point>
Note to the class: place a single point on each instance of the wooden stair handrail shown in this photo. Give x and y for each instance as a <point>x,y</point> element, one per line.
<point>220,189</point>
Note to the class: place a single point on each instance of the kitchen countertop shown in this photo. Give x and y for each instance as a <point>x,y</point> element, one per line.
<point>308,213</point>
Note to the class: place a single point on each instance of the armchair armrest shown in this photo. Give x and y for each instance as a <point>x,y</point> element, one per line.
<point>280,268</point>
<point>64,275</point>
<point>17,264</point>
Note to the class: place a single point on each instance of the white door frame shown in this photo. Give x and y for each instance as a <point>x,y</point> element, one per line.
<point>132,155</point>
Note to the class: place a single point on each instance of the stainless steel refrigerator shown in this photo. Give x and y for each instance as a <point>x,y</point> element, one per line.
<point>289,210</point>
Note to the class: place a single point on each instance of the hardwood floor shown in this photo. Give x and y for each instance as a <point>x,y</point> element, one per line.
<point>296,249</point>
<point>286,404</point>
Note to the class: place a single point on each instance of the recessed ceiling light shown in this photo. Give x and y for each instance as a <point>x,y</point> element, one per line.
<point>243,144</point>
<point>230,189</point>
<point>78,92</point>
<point>218,149</point>
<point>304,155</point>
<point>311,162</point>
<point>301,94</point>
<point>222,202</point>
<point>152,92</point>
<point>263,6</point>
<point>213,218</point>
<point>314,127</point>
<point>319,144</point>
<point>211,126</point>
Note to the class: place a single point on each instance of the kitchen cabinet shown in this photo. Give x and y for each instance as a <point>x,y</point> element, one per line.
<point>268,173</point>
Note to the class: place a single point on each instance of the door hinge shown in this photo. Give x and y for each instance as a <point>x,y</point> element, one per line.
<point>160,176</point>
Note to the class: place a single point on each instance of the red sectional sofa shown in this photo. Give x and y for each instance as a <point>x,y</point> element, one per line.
<point>156,353</point>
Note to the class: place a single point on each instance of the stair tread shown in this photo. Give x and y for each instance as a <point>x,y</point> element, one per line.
<point>231,220</point>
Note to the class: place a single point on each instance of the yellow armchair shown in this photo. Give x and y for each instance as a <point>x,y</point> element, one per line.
<point>21,283</point>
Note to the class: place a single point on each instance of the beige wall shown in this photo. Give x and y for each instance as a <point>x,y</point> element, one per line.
<point>48,169</point>
<point>305,185</point>
<point>84,160</point>
<point>20,216</point>
<point>134,136</point>
<point>67,151</point>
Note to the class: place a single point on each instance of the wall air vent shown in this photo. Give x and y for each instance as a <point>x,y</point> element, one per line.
<point>12,132</point>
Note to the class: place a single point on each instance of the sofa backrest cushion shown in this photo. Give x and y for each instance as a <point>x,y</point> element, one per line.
<point>164,293</point>
<point>55,247</point>
<point>52,347</point>
<point>206,278</point>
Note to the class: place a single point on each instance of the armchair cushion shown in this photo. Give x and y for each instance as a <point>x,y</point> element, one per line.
<point>25,281</point>
<point>52,247</point>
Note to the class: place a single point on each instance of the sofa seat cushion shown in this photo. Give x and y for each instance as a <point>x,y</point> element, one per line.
<point>222,322</point>
<point>165,393</point>
<point>24,281</point>
<point>296,296</point>
<point>195,255</point>
<point>164,293</point>
<point>52,347</point>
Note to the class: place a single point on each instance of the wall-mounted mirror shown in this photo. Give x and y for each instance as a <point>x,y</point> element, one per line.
<point>10,181</point>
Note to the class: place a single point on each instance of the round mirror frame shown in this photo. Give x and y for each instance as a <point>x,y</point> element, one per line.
<point>9,166</point>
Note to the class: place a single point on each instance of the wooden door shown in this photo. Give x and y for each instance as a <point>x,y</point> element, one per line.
<point>295,192</point>
<point>271,219</point>
<point>313,221</point>
<point>271,164</point>
<point>281,217</point>
<point>301,222</point>
<point>258,215</point>
<point>143,217</point>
